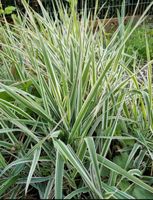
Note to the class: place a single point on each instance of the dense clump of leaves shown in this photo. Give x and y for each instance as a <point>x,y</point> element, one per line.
<point>75,121</point>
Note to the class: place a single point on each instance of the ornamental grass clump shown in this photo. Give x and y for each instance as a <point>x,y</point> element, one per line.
<point>75,122</point>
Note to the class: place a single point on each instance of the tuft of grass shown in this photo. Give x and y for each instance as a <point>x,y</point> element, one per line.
<point>75,121</point>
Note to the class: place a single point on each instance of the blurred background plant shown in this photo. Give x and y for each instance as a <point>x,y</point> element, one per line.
<point>7,10</point>
<point>137,42</point>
